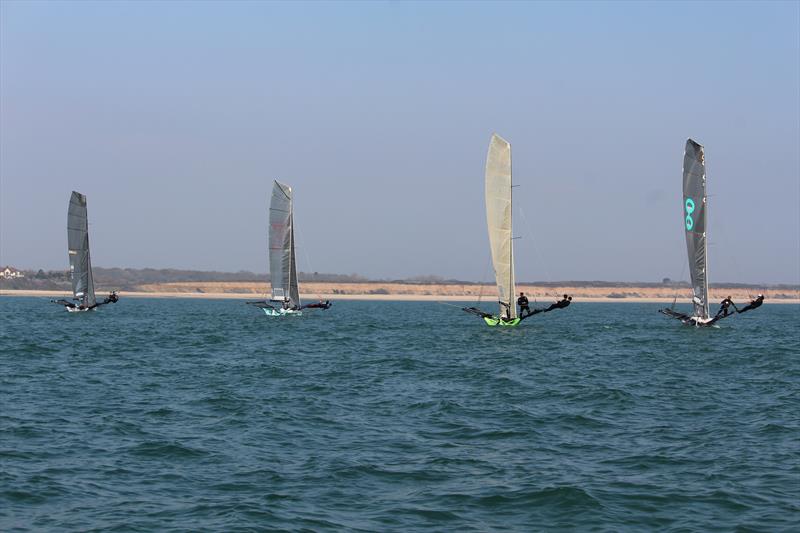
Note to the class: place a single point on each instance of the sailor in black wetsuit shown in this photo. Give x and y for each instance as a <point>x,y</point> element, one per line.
<point>319,305</point>
<point>522,302</point>
<point>112,298</point>
<point>508,310</point>
<point>723,307</point>
<point>756,302</point>
<point>561,304</point>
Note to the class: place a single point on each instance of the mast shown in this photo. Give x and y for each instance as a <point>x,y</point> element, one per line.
<point>705,237</point>
<point>294,289</point>
<point>511,292</point>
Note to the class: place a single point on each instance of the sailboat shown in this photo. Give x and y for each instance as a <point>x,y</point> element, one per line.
<point>285,293</point>
<point>80,262</point>
<point>499,201</point>
<point>695,221</point>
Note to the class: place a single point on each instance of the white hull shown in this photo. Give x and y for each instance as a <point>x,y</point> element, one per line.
<point>699,322</point>
<point>282,312</point>
<point>76,310</point>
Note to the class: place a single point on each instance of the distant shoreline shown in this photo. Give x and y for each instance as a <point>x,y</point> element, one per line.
<point>363,297</point>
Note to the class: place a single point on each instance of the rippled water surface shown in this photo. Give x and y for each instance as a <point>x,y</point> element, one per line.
<point>206,415</point>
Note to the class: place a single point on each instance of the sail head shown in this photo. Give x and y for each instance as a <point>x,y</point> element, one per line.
<point>80,263</point>
<point>695,203</point>
<point>498,220</point>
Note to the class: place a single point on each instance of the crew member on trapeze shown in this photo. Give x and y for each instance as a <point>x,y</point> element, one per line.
<point>724,305</point>
<point>524,307</point>
<point>522,302</point>
<point>561,304</point>
<point>319,305</point>
<point>754,303</point>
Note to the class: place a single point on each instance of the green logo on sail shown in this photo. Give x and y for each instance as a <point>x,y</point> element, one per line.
<point>689,205</point>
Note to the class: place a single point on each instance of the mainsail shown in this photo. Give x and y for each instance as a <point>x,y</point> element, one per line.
<point>694,218</point>
<point>80,264</point>
<point>282,266</point>
<point>498,220</point>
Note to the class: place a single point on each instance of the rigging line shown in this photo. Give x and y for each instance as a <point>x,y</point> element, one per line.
<point>483,279</point>
<point>684,266</point>
<point>539,254</point>
<point>268,281</point>
<point>308,262</point>
<point>732,257</point>
<point>680,280</point>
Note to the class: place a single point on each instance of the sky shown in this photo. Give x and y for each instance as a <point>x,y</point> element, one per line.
<point>174,118</point>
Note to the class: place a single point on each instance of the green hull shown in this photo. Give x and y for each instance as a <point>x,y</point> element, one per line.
<point>492,321</point>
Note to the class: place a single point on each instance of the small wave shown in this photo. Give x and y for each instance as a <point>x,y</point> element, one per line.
<point>23,496</point>
<point>396,475</point>
<point>161,412</point>
<point>776,429</point>
<point>564,496</point>
<point>642,462</point>
<point>435,515</point>
<point>578,421</point>
<point>554,501</point>
<point>167,450</point>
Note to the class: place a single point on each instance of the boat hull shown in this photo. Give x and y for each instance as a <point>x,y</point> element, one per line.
<point>281,312</point>
<point>494,321</point>
<point>693,321</point>
<point>76,310</point>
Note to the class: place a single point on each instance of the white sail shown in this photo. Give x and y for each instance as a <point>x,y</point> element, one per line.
<point>282,264</point>
<point>498,220</point>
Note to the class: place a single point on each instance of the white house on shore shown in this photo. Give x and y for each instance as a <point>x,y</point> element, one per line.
<point>10,272</point>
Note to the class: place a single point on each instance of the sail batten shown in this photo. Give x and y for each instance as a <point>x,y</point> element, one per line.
<point>695,204</point>
<point>282,263</point>
<point>80,263</point>
<point>498,219</point>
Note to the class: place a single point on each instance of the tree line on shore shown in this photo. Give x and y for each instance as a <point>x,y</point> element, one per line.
<point>129,279</point>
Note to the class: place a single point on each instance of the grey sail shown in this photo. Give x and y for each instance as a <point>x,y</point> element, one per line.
<point>80,263</point>
<point>282,264</point>
<point>694,218</point>
<point>498,220</point>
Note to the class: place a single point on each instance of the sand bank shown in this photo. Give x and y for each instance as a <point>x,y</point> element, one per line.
<point>410,297</point>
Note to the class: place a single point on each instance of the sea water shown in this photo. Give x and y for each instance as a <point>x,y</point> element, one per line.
<point>159,415</point>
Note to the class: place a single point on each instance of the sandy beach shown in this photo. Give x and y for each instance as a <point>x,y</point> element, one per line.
<point>424,292</point>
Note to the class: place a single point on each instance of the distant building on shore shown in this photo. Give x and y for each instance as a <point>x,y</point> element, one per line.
<point>10,272</point>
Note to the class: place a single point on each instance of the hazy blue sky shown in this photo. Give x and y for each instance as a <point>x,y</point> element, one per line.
<point>173,118</point>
